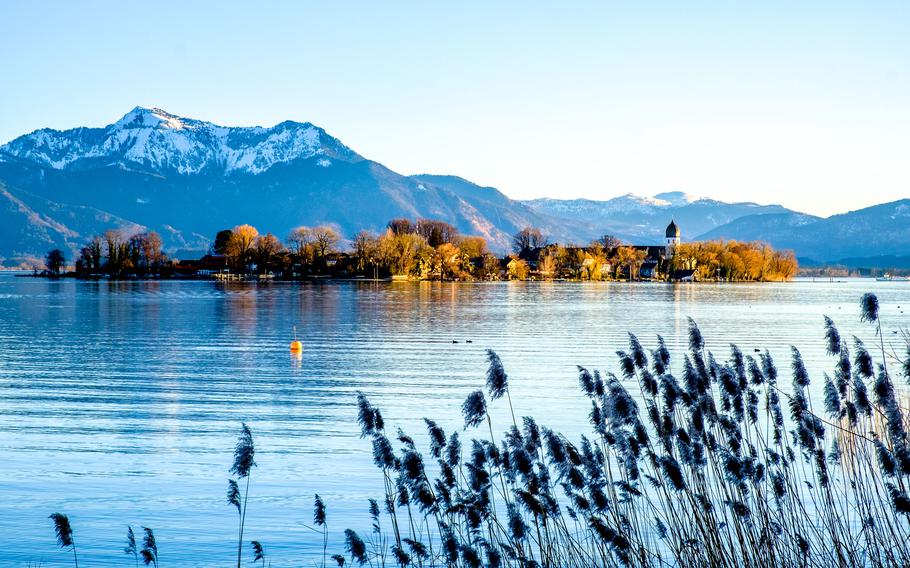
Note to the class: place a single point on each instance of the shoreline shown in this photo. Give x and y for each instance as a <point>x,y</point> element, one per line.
<point>330,279</point>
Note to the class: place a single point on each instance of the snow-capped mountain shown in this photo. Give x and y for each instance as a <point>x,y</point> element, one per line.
<point>188,179</point>
<point>154,138</point>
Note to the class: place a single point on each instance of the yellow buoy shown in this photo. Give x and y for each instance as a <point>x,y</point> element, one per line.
<point>296,346</point>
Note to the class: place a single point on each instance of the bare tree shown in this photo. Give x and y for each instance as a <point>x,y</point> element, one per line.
<point>299,239</point>
<point>265,251</point>
<point>325,239</point>
<point>436,232</point>
<point>528,239</point>
<point>402,226</point>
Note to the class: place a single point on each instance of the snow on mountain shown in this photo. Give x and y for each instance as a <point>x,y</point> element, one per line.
<point>677,198</point>
<point>645,218</point>
<point>165,142</point>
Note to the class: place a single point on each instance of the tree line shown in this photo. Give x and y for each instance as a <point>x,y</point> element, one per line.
<point>430,249</point>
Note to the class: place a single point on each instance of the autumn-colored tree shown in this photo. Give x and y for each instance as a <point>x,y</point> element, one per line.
<point>573,259</point>
<point>399,251</point>
<point>733,260</point>
<point>518,269</point>
<point>629,258</point>
<point>239,249</point>
<point>472,247</point>
<point>299,239</point>
<point>489,267</point>
<point>366,250</point>
<point>451,262</point>
<point>594,265</point>
<point>549,264</point>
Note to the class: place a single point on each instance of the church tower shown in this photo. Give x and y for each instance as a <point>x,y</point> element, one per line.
<point>672,238</point>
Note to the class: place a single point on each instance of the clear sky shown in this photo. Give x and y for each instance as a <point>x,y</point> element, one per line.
<point>801,103</point>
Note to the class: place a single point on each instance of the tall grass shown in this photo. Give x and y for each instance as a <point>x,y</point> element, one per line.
<point>244,453</point>
<point>699,461</point>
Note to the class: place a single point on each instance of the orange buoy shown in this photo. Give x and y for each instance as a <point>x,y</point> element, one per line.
<point>296,346</point>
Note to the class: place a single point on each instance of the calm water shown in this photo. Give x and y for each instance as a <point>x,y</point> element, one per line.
<point>120,402</point>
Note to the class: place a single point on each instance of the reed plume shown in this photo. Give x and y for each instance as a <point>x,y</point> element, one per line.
<point>64,534</point>
<point>244,462</point>
<point>131,549</point>
<point>149,550</point>
<point>258,552</point>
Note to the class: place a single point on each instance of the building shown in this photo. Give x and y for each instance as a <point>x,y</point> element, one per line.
<point>672,238</point>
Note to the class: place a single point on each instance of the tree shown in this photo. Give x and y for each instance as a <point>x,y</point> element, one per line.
<point>451,261</point>
<point>472,247</point>
<point>528,239</point>
<point>608,242</point>
<point>240,246</point>
<point>55,261</point>
<point>118,253</point>
<point>573,259</point>
<point>366,249</point>
<point>399,251</point>
<point>489,269</point>
<point>625,256</point>
<point>221,241</point>
<point>401,226</point>
<point>266,251</point>
<point>89,261</point>
<point>518,269</point>
<point>145,251</point>
<point>325,239</point>
<point>95,253</point>
<point>436,232</point>
<point>549,263</point>
<point>299,239</point>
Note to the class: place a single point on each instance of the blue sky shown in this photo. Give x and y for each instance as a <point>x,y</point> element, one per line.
<point>805,104</point>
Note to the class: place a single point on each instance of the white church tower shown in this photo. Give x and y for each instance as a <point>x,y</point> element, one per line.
<point>672,238</point>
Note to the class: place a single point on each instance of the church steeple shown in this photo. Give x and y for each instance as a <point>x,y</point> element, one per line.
<point>672,237</point>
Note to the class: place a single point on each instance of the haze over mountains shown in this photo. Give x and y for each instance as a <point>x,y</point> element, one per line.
<point>188,179</point>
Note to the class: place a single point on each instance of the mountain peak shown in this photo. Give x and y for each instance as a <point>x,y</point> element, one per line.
<point>677,198</point>
<point>142,117</point>
<point>166,143</point>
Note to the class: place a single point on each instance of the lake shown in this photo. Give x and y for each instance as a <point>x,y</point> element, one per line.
<point>120,402</point>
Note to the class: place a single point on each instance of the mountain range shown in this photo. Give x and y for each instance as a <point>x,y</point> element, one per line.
<point>188,179</point>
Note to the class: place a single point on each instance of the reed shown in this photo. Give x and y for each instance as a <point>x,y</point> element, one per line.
<point>701,461</point>
<point>149,552</point>
<point>64,532</point>
<point>131,549</point>
<point>244,462</point>
<point>719,465</point>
